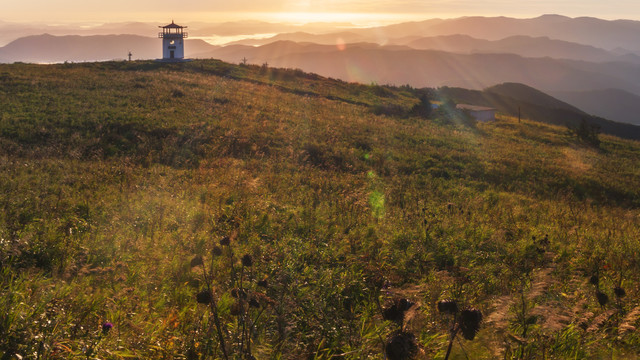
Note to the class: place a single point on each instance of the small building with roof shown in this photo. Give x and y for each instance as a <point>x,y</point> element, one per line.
<point>480,113</point>
<point>173,36</point>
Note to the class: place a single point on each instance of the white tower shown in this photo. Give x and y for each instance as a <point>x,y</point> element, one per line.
<point>173,36</point>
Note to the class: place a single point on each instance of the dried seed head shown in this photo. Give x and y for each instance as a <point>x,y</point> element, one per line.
<point>239,293</point>
<point>594,280</point>
<point>397,310</point>
<point>401,346</point>
<point>254,303</point>
<point>545,241</point>
<point>619,292</point>
<point>247,260</point>
<point>470,320</point>
<point>603,299</point>
<point>225,241</point>
<point>197,261</point>
<point>448,306</point>
<point>237,308</point>
<point>204,297</point>
<point>263,300</point>
<point>216,251</point>
<point>263,283</point>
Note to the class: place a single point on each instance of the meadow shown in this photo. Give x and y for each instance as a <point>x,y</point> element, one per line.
<point>206,210</point>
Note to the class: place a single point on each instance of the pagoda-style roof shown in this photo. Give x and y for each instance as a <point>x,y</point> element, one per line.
<point>172,26</point>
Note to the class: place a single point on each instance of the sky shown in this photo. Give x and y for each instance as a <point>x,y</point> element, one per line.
<point>55,12</point>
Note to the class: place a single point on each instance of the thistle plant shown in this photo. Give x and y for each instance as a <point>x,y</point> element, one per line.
<point>248,306</point>
<point>466,321</point>
<point>402,344</point>
<point>90,350</point>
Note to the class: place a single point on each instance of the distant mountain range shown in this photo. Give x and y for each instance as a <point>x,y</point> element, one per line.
<point>613,104</point>
<point>397,65</point>
<point>526,46</point>
<point>12,31</point>
<point>51,49</point>
<point>620,35</point>
<point>589,63</point>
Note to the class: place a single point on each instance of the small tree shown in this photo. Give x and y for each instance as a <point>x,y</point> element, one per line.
<point>588,133</point>
<point>423,108</point>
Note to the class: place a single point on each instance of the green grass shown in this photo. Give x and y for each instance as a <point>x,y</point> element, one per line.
<point>115,175</point>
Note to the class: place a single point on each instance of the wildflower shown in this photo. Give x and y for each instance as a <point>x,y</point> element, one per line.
<point>225,241</point>
<point>401,346</point>
<point>106,327</point>
<point>247,260</point>
<point>448,306</point>
<point>470,320</point>
<point>619,292</point>
<point>216,251</point>
<point>204,297</point>
<point>197,261</point>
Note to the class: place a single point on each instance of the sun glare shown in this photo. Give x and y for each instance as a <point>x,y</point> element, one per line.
<point>357,19</point>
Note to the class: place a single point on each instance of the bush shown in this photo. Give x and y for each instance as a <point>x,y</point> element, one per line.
<point>423,108</point>
<point>588,133</point>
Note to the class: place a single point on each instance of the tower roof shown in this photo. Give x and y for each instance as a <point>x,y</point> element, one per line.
<point>172,26</point>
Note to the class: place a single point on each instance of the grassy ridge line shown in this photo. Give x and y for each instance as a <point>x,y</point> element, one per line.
<point>325,196</point>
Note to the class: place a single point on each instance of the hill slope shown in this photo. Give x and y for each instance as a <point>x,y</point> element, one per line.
<point>514,99</point>
<point>614,104</point>
<point>204,209</point>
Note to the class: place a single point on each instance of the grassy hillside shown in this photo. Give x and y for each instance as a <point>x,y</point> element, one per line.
<point>514,98</point>
<point>161,210</point>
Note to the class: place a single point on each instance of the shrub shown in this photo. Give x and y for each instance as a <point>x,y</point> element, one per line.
<point>587,133</point>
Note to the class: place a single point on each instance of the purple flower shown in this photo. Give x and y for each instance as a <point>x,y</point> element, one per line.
<point>106,327</point>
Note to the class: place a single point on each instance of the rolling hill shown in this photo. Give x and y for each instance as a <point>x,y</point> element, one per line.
<point>614,104</point>
<point>525,46</point>
<point>606,34</point>
<point>514,99</point>
<point>209,210</point>
<point>574,57</point>
<point>368,63</point>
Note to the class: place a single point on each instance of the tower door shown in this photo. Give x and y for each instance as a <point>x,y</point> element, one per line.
<point>172,54</point>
